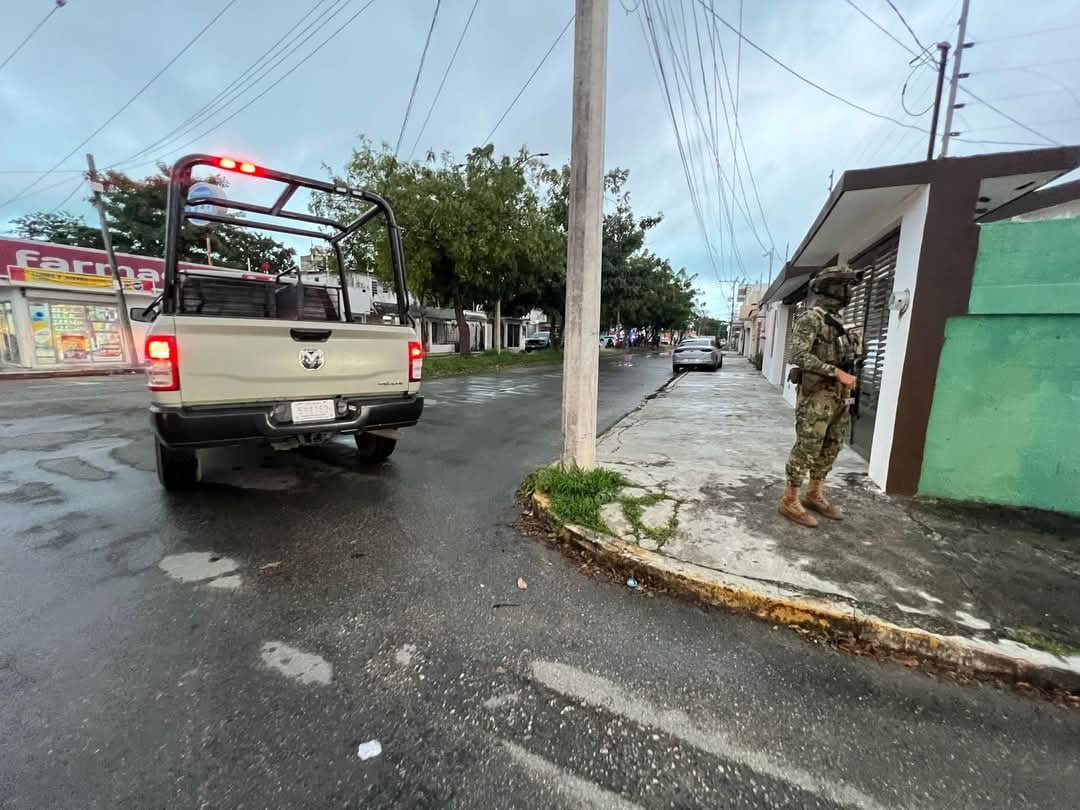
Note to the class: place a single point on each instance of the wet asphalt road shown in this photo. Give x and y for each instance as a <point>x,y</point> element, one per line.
<point>232,648</point>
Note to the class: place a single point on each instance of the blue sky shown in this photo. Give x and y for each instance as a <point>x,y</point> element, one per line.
<point>91,56</point>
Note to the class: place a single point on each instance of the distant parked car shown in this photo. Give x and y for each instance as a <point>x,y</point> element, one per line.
<point>607,341</point>
<point>696,353</point>
<point>538,341</point>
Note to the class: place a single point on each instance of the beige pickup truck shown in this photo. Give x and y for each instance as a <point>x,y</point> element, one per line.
<point>239,357</point>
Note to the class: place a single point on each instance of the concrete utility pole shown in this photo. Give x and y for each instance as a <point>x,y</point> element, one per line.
<point>96,186</point>
<point>498,326</point>
<point>955,80</point>
<point>581,335</point>
<point>731,323</point>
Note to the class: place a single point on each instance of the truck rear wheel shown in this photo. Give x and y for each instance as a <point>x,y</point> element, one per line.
<point>177,470</point>
<point>374,448</point>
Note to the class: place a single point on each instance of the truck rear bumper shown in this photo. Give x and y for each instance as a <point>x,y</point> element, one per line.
<point>210,425</point>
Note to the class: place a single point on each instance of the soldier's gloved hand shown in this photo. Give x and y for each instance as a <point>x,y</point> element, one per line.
<point>845,379</point>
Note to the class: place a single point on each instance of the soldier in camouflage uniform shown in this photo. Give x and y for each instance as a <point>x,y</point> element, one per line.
<point>824,356</point>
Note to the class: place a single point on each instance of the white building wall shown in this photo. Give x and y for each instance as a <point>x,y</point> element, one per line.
<point>774,364</point>
<point>776,321</point>
<point>912,224</point>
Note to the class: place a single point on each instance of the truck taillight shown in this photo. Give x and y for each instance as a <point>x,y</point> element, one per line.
<point>162,370</point>
<point>416,361</point>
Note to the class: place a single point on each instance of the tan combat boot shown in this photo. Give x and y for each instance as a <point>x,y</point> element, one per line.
<point>793,510</point>
<point>815,499</point>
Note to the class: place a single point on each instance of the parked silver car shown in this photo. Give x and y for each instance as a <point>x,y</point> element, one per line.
<point>696,353</point>
<point>538,341</point>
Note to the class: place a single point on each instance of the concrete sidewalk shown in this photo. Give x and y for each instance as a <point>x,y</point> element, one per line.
<point>986,587</point>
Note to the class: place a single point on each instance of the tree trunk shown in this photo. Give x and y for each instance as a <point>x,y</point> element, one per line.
<point>464,336</point>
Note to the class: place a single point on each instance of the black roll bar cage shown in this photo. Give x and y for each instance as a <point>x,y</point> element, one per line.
<point>177,212</point>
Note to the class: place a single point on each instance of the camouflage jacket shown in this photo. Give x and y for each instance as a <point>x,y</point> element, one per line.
<point>818,348</point>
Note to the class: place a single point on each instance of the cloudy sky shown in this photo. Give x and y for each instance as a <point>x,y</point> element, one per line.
<point>90,58</point>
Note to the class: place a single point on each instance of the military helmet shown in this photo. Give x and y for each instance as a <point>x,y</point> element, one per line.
<point>836,274</point>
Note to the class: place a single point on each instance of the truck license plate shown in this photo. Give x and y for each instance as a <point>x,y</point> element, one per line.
<point>313,410</point>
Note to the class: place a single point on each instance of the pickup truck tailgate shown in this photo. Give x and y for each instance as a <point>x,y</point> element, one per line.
<point>224,360</point>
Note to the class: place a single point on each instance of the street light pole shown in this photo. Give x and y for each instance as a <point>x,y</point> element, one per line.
<point>96,186</point>
<point>581,333</point>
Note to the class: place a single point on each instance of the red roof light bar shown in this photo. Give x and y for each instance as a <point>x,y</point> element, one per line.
<point>232,165</point>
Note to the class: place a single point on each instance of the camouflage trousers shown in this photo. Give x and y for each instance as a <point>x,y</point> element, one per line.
<point>822,425</point>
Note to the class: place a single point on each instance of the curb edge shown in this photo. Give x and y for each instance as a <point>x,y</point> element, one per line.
<point>777,605</point>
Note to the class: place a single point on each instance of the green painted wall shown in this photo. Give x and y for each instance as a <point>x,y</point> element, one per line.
<point>1005,421</point>
<point>1027,268</point>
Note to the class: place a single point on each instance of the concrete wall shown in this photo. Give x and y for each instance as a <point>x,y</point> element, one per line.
<point>1005,421</point>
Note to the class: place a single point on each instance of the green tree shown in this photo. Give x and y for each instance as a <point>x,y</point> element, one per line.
<point>61,229</point>
<point>663,298</point>
<point>712,327</point>
<point>623,236</point>
<point>472,232</point>
<point>136,213</point>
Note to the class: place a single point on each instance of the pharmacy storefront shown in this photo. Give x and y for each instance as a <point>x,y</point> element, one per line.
<point>59,308</point>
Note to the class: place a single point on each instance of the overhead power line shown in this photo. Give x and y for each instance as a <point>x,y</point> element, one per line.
<point>691,183</point>
<point>64,201</point>
<point>33,184</point>
<point>30,36</point>
<point>242,83</point>
<point>528,81</point>
<point>1005,115</point>
<point>803,78</point>
<point>276,82</point>
<point>882,28</point>
<point>735,138</point>
<point>1053,122</point>
<point>419,72</point>
<point>1007,37</point>
<point>41,171</point>
<point>900,14</point>
<point>442,82</point>
<point>1009,68</point>
<point>998,143</point>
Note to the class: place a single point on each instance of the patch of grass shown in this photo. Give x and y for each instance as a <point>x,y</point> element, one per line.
<point>1038,641</point>
<point>576,495</point>
<point>634,509</point>
<point>455,365</point>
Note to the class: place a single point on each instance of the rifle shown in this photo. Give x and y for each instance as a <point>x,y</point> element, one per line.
<point>851,362</point>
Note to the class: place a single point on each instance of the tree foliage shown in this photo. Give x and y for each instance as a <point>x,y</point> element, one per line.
<point>472,232</point>
<point>637,288</point>
<point>136,213</point>
<point>494,228</point>
<point>712,327</point>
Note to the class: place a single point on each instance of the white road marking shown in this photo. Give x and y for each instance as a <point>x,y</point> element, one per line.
<point>229,583</point>
<point>195,566</point>
<point>581,791</point>
<point>305,668</point>
<point>604,694</point>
